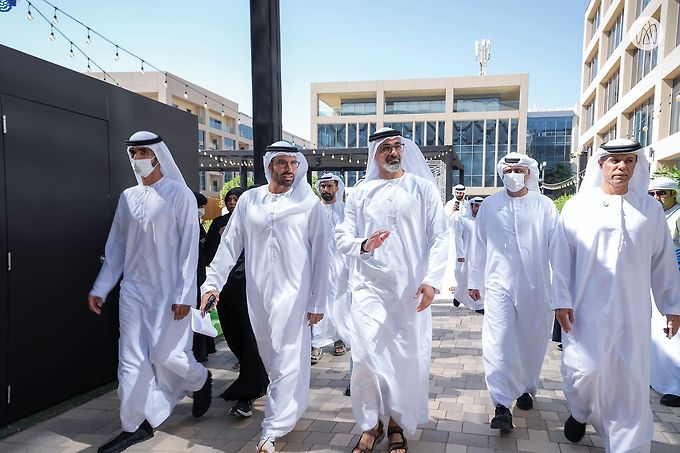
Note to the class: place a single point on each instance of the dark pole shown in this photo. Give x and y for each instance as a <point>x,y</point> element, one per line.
<point>449,176</point>
<point>265,50</point>
<point>243,176</point>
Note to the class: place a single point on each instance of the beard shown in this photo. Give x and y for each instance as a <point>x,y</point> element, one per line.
<point>392,167</point>
<point>278,179</point>
<point>327,196</point>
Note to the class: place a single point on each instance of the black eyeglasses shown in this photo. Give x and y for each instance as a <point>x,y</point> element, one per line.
<point>659,193</point>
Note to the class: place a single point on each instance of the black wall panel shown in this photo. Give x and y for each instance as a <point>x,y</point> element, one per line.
<point>63,165</point>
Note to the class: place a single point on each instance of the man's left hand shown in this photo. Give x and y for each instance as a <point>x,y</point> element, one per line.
<point>428,295</point>
<point>673,324</point>
<point>180,311</point>
<point>313,318</point>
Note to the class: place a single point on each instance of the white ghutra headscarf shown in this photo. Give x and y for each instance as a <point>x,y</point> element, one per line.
<point>154,142</point>
<point>412,159</point>
<point>640,180</point>
<point>523,160</point>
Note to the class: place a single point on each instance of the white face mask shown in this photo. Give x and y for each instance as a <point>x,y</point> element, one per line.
<point>514,182</point>
<point>201,212</point>
<point>142,167</point>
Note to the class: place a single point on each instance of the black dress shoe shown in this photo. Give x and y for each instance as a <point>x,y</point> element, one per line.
<point>574,430</point>
<point>347,391</point>
<point>203,398</point>
<point>670,400</point>
<point>480,311</point>
<point>127,439</point>
<point>456,303</point>
<point>502,419</point>
<point>525,402</point>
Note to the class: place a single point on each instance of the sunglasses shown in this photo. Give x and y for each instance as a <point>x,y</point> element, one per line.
<point>659,193</point>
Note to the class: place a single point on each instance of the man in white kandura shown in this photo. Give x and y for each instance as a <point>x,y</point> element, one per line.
<point>332,189</point>
<point>454,209</point>
<point>285,235</point>
<point>458,205</point>
<point>464,229</point>
<point>517,234</point>
<point>153,244</point>
<point>665,359</point>
<point>396,230</point>
<point>618,248</point>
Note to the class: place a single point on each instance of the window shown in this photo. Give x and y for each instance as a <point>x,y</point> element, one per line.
<point>591,69</point>
<point>675,107</point>
<point>615,35</point>
<point>422,105</point>
<point>549,139</point>
<point>483,104</point>
<point>595,22</point>
<point>229,144</point>
<point>611,92</point>
<point>643,62</point>
<point>214,186</point>
<point>245,131</point>
<point>640,5</point>
<point>641,122</point>
<point>490,143</point>
<point>434,133</point>
<point>589,114</point>
<point>201,139</point>
<point>348,108</point>
<point>331,135</point>
<point>469,144</point>
<point>609,134</point>
<point>217,124</point>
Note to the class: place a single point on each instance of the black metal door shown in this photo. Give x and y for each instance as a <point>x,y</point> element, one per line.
<point>3,281</point>
<point>55,240</point>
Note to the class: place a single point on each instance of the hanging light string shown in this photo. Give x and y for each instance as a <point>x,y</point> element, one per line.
<point>53,27</point>
<point>143,62</point>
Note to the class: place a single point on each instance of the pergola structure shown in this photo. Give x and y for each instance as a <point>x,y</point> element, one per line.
<point>326,159</point>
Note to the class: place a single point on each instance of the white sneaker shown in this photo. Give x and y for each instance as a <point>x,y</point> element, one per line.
<point>266,445</point>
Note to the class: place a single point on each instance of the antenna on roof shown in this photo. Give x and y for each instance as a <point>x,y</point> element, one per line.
<point>483,54</point>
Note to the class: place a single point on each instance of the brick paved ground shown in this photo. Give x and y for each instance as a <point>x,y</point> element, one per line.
<point>459,404</point>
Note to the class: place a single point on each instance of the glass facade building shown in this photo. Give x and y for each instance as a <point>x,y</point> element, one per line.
<point>549,139</point>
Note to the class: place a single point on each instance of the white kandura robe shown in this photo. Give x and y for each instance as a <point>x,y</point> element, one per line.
<point>620,248</point>
<point>515,240</point>
<point>324,332</point>
<point>464,229</point>
<point>391,342</point>
<point>153,243</point>
<point>286,277</point>
<point>665,358</point>
<point>450,274</point>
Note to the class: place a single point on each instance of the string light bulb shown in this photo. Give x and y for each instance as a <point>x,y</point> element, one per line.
<point>88,40</point>
<point>52,37</point>
<point>55,20</point>
<point>186,92</point>
<point>116,56</point>
<point>29,16</point>
<point>88,65</point>
<point>142,69</point>
<point>71,54</point>
<point>222,110</point>
<point>165,82</point>
<point>205,102</point>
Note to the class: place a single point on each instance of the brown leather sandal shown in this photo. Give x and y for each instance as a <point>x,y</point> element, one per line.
<point>377,433</point>
<point>402,445</point>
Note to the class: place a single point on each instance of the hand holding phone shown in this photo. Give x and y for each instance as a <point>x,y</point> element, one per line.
<point>209,306</point>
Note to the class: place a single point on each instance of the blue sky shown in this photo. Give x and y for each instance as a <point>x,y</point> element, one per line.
<point>208,42</point>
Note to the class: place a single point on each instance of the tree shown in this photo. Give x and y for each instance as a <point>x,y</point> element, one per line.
<point>560,173</point>
<point>559,201</point>
<point>670,172</point>
<point>233,182</point>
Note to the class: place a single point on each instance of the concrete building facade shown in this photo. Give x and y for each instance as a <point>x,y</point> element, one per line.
<point>630,84</point>
<point>483,117</point>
